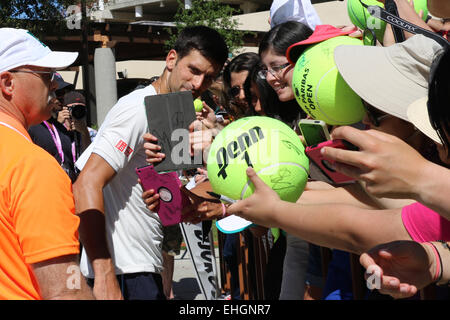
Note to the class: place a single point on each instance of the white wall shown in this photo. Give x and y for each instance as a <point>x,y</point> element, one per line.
<point>135,69</point>
<point>334,13</point>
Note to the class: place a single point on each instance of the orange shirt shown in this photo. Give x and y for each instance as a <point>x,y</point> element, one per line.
<point>37,220</point>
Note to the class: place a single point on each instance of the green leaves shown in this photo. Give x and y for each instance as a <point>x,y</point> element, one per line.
<point>37,16</point>
<point>212,14</point>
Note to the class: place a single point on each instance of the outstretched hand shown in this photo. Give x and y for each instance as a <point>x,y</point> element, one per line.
<point>259,207</point>
<point>400,268</point>
<point>380,162</point>
<point>199,210</point>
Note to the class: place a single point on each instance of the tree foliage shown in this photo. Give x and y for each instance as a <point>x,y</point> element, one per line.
<point>210,13</point>
<point>36,15</point>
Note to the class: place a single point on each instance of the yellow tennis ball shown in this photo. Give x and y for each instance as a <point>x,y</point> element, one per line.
<point>320,89</point>
<point>361,18</point>
<point>198,105</point>
<point>268,145</point>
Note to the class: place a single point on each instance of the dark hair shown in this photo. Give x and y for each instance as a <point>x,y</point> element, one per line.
<point>279,38</point>
<point>287,111</point>
<point>439,96</point>
<point>244,61</point>
<point>204,39</point>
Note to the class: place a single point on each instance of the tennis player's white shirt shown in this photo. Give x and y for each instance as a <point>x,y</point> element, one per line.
<point>133,232</point>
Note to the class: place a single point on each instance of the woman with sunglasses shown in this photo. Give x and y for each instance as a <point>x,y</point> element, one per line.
<point>234,75</point>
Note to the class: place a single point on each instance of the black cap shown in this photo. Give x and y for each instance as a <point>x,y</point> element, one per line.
<point>74,97</point>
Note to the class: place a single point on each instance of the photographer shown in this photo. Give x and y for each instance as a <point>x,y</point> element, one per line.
<point>73,116</point>
<point>65,134</point>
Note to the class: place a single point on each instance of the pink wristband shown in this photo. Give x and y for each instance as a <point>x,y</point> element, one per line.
<point>438,261</point>
<point>224,210</point>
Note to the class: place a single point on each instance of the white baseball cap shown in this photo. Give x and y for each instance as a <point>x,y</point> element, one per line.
<point>18,47</point>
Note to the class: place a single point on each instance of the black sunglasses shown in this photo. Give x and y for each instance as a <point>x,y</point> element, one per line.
<point>234,91</point>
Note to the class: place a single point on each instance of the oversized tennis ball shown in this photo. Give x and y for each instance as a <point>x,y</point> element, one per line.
<point>361,18</point>
<point>198,105</point>
<point>320,89</point>
<point>269,146</point>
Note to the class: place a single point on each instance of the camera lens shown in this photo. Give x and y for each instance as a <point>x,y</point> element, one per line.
<point>78,111</point>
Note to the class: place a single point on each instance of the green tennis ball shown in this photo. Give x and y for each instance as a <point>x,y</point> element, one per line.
<point>320,89</point>
<point>198,105</point>
<point>361,18</point>
<point>268,145</point>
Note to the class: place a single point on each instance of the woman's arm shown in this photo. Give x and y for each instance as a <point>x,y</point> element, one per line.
<point>331,225</point>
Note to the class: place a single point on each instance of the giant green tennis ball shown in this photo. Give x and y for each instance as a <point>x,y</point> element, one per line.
<point>319,88</point>
<point>268,145</point>
<point>198,105</point>
<point>361,18</point>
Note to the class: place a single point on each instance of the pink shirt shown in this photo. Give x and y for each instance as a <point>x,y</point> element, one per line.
<point>423,224</point>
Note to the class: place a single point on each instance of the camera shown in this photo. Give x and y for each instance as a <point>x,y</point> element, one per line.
<point>77,111</point>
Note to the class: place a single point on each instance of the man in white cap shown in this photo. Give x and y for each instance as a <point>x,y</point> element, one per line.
<point>38,228</point>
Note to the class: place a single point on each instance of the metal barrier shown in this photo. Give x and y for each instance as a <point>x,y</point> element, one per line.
<point>252,258</point>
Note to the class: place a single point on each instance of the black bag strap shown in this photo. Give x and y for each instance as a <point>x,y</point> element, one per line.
<point>391,7</point>
<point>380,13</point>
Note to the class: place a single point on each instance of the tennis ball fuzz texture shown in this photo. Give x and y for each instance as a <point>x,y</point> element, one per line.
<point>198,105</point>
<point>319,88</point>
<point>268,145</point>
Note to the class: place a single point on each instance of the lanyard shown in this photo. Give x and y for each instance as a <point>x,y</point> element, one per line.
<point>55,135</point>
<point>12,128</point>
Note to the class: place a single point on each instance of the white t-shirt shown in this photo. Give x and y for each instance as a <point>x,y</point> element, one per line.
<point>133,232</point>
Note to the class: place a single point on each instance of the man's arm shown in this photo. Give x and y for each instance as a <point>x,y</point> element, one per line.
<point>88,194</point>
<point>60,279</point>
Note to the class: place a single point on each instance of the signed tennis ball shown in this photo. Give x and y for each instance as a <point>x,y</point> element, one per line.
<point>198,105</point>
<point>320,89</point>
<point>269,146</point>
<point>361,18</point>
